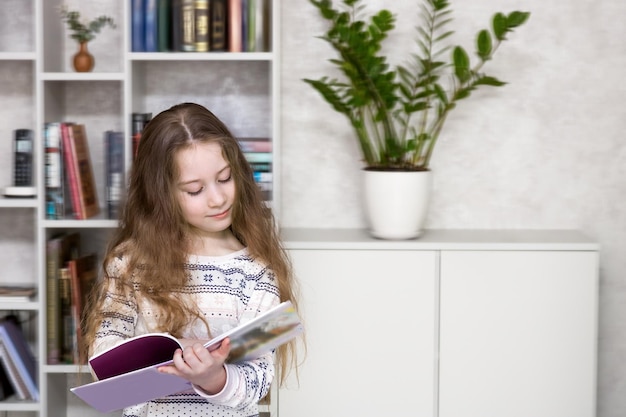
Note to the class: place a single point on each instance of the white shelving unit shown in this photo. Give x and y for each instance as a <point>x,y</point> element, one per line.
<point>38,85</point>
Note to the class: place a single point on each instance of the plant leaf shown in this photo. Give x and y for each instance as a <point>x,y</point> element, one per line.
<point>484,45</point>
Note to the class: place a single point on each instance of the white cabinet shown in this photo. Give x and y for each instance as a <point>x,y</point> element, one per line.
<point>456,323</point>
<point>369,317</point>
<point>518,333</point>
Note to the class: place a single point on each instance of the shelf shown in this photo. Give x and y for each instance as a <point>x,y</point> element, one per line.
<point>66,369</point>
<point>80,224</point>
<point>201,56</point>
<point>13,404</point>
<point>18,202</point>
<point>83,76</point>
<point>20,305</point>
<point>17,56</point>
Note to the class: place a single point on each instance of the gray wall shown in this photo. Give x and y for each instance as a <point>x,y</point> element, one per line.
<point>546,151</point>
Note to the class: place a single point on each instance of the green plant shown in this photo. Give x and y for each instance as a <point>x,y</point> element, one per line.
<point>83,31</point>
<point>398,113</point>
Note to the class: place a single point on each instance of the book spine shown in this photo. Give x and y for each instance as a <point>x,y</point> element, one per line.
<point>164,25</point>
<point>17,382</point>
<point>256,157</point>
<point>114,172</point>
<point>255,144</point>
<point>88,194</point>
<point>22,357</point>
<point>188,26</point>
<point>218,14</point>
<point>71,170</point>
<point>234,25</point>
<point>139,120</point>
<point>137,26</point>
<point>150,25</point>
<point>65,307</point>
<point>250,25</point>
<point>53,249</point>
<point>53,172</point>
<point>245,15</point>
<point>201,25</point>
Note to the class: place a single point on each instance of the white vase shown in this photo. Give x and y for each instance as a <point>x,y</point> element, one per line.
<point>396,203</point>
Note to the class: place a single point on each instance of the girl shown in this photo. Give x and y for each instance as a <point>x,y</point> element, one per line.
<point>196,254</point>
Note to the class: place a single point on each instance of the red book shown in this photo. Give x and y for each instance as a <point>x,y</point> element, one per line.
<point>70,169</point>
<point>82,169</point>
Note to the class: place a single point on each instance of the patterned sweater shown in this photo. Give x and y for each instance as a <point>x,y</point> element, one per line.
<point>230,290</point>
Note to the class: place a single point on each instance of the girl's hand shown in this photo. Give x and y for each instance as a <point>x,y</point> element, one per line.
<point>202,368</point>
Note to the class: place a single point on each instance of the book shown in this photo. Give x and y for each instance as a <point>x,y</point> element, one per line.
<point>83,272</point>
<point>258,157</point>
<point>17,293</point>
<point>55,201</point>
<point>164,25</point>
<point>59,249</point>
<point>6,386</point>
<point>255,144</point>
<point>21,355</point>
<point>150,22</point>
<point>201,25</point>
<point>114,171</point>
<point>235,25</point>
<point>71,182</point>
<point>127,373</point>
<point>66,321</point>
<point>218,12</point>
<point>84,194</point>
<point>88,193</point>
<point>188,25</point>
<point>137,26</point>
<point>19,387</point>
<point>139,121</point>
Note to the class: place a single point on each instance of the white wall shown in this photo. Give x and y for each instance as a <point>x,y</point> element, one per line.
<point>545,151</point>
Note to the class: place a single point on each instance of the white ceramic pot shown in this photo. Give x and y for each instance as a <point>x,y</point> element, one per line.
<point>396,203</point>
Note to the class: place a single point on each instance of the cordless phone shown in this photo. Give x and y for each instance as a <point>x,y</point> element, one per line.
<point>23,158</point>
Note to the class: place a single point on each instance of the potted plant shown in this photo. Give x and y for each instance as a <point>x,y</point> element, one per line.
<point>398,113</point>
<point>83,32</point>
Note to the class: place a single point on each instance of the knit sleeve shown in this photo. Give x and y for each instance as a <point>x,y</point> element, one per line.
<point>119,308</point>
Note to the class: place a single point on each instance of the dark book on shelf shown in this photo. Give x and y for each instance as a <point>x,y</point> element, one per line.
<point>201,25</point>
<point>66,322</point>
<point>20,355</point>
<point>218,12</point>
<point>18,385</point>
<point>6,386</point>
<point>164,26</point>
<point>83,273</point>
<point>139,121</point>
<point>59,249</point>
<point>150,25</point>
<point>114,171</point>
<point>137,26</point>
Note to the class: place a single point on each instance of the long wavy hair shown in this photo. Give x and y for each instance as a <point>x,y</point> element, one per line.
<point>154,236</point>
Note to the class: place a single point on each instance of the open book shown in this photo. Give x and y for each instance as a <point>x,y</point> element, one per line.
<point>127,373</point>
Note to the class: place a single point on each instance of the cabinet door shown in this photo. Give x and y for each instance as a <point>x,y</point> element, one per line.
<point>369,319</point>
<point>518,334</point>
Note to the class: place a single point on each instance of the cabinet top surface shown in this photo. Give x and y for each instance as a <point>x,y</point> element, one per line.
<point>435,239</point>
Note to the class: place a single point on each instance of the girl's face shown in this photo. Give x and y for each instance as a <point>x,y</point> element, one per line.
<point>206,190</point>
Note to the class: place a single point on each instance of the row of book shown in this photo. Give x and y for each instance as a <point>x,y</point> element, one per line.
<point>200,25</point>
<point>70,275</point>
<point>18,366</point>
<point>258,152</point>
<point>69,177</point>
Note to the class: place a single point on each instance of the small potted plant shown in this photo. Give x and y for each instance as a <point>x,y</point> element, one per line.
<point>83,32</point>
<point>397,114</point>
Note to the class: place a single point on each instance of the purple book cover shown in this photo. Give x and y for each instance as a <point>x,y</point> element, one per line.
<point>128,373</point>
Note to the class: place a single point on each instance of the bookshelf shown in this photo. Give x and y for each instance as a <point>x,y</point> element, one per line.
<point>39,85</point>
